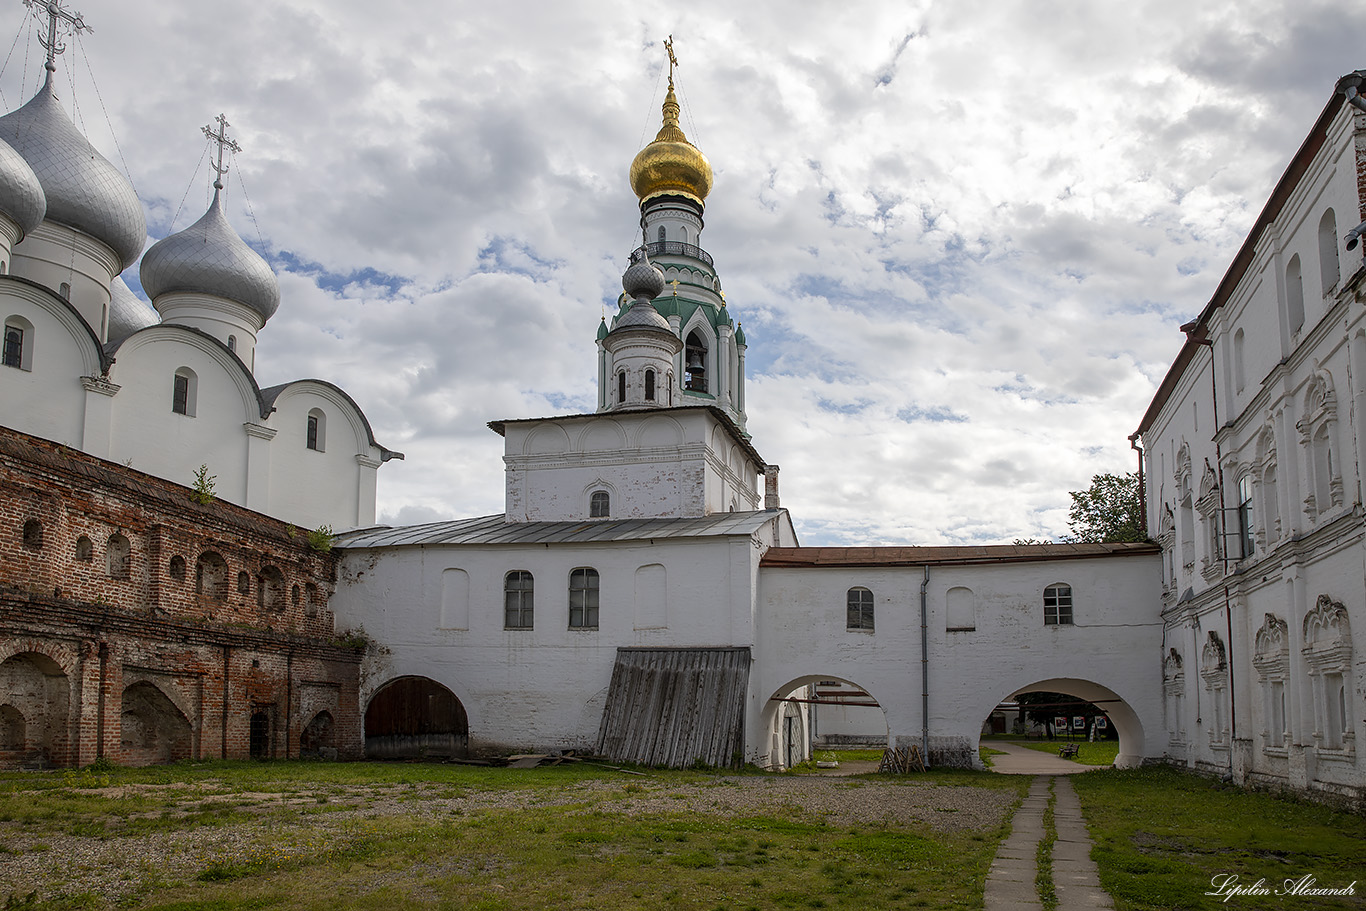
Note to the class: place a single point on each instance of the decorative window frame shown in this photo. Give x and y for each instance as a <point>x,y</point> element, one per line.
<point>1174,697</point>
<point>1166,539</point>
<point>1327,654</point>
<point>1212,560</point>
<point>1271,659</point>
<point>1185,500</point>
<point>1214,672</point>
<point>1320,419</point>
<point>1265,476</point>
<point>599,486</point>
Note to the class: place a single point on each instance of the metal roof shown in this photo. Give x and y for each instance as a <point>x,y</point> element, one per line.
<point>497,530</point>
<point>939,556</point>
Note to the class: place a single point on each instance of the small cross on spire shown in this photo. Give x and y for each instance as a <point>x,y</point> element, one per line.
<point>56,15</point>
<point>224,143</point>
<point>673,61</point>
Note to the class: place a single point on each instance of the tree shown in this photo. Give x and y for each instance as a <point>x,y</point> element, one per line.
<point>1107,512</point>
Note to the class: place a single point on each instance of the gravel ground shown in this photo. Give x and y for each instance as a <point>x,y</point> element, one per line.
<point>114,866</point>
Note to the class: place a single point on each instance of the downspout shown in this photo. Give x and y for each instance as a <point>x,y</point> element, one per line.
<point>1223,538</point>
<point>924,671</point>
<point>1142,486</point>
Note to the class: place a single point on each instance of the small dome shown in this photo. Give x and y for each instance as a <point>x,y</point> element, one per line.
<point>127,312</point>
<point>643,281</point>
<point>671,164</point>
<point>21,193</point>
<point>84,191</point>
<point>643,315</point>
<point>209,258</point>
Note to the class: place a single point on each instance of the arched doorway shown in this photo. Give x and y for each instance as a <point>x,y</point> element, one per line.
<point>37,698</point>
<point>414,718</point>
<point>821,712</point>
<point>1069,698</point>
<point>152,729</point>
<point>318,738</point>
<point>258,736</point>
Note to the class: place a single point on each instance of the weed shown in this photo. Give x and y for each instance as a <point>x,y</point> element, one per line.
<point>202,490</point>
<point>320,539</point>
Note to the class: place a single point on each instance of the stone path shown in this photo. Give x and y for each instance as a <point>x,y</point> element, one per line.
<point>1021,760</point>
<point>1076,881</point>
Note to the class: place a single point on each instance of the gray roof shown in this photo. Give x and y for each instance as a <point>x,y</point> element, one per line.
<point>208,257</point>
<point>21,193</point>
<point>496,530</point>
<point>941,555</point>
<point>127,312</point>
<point>642,315</point>
<point>84,191</point>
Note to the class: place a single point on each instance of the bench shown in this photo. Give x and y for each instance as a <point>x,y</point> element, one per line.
<point>1068,751</point>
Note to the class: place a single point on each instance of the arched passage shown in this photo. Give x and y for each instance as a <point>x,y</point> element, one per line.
<point>415,717</point>
<point>318,738</point>
<point>822,711</point>
<point>37,698</point>
<point>153,729</point>
<point>1120,714</point>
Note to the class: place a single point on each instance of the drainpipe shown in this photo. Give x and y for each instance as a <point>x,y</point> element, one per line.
<point>924,671</point>
<point>1223,538</point>
<point>1142,487</point>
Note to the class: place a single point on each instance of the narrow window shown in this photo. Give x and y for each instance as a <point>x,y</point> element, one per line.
<point>1057,605</point>
<point>1328,251</point>
<point>270,589</point>
<point>18,348</point>
<point>183,391</point>
<point>860,612</point>
<point>64,291</point>
<point>518,600</point>
<point>661,234</point>
<point>621,387</point>
<point>33,534</point>
<point>244,583</point>
<point>1294,294</point>
<point>117,553</point>
<point>1245,515</point>
<point>232,343</point>
<point>1239,373</point>
<point>317,430</point>
<point>177,568</point>
<point>683,235</point>
<point>599,505</point>
<point>85,549</point>
<point>583,599</point>
<point>649,385</point>
<point>695,363</point>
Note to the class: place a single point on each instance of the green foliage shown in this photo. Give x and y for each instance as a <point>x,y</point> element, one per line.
<point>321,538</point>
<point>1108,512</point>
<point>203,486</point>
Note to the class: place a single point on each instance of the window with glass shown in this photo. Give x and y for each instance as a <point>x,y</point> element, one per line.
<point>583,598</point>
<point>1057,605</point>
<point>599,505</point>
<point>860,609</point>
<point>518,598</point>
<point>1245,515</point>
<point>14,346</point>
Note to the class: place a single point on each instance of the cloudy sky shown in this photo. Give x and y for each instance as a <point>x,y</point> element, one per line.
<point>960,236</point>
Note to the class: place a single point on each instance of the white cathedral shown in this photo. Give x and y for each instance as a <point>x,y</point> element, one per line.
<point>643,594</point>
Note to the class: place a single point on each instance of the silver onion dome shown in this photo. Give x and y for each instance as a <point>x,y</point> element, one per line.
<point>84,191</point>
<point>127,312</point>
<point>21,193</point>
<point>643,280</point>
<point>209,258</point>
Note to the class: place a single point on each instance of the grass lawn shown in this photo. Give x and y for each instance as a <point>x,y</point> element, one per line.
<point>217,835</point>
<point>1162,836</point>
<point>1102,752</point>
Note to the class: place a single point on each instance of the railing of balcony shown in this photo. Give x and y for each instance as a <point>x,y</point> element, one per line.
<point>673,248</point>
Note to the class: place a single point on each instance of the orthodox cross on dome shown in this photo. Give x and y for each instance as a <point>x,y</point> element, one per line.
<point>57,17</point>
<point>221,138</point>
<point>673,61</point>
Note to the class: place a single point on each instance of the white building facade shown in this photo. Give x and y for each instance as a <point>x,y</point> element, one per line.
<point>1252,453</point>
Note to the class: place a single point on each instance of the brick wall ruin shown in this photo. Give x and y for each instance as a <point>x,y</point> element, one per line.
<point>141,625</point>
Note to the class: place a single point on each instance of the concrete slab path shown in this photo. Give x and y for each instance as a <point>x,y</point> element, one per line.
<point>1020,760</point>
<point>1011,883</point>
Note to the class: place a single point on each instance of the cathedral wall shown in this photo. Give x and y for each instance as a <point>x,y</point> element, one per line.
<point>45,397</point>
<point>439,612</point>
<point>987,639</point>
<point>313,487</point>
<point>138,624</point>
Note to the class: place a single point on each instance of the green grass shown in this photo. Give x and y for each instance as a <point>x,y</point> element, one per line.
<point>1043,878</point>
<point>1161,836</point>
<point>986,753</point>
<point>1102,752</point>
<point>275,845</point>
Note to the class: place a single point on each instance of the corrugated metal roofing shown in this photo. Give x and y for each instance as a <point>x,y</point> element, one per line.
<point>674,706</point>
<point>496,530</point>
<point>920,556</point>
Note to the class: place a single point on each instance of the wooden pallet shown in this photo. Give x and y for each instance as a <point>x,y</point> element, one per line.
<point>902,760</point>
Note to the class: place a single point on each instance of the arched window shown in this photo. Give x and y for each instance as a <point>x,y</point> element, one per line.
<point>117,554</point>
<point>64,291</point>
<point>599,505</point>
<point>1057,605</point>
<point>661,234</point>
<point>33,534</point>
<point>244,583</point>
<point>296,597</point>
<point>1294,294</point>
<point>860,609</point>
<point>270,589</point>
<point>18,349</point>
<point>317,430</point>
<point>184,391</point>
<point>518,600</point>
<point>1328,251</point>
<point>232,343</point>
<point>621,387</point>
<point>211,576</point>
<point>649,385</point>
<point>1245,515</point>
<point>177,568</point>
<point>695,363</point>
<point>85,549</point>
<point>1323,468</point>
<point>311,593</point>
<point>683,235</point>
<point>583,598</point>
<point>1239,371</point>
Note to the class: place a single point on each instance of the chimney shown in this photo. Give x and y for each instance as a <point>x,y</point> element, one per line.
<point>771,487</point>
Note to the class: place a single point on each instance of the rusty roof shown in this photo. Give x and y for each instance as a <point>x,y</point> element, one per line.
<point>948,555</point>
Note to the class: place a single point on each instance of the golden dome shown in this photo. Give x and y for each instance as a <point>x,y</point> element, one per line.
<point>671,164</point>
